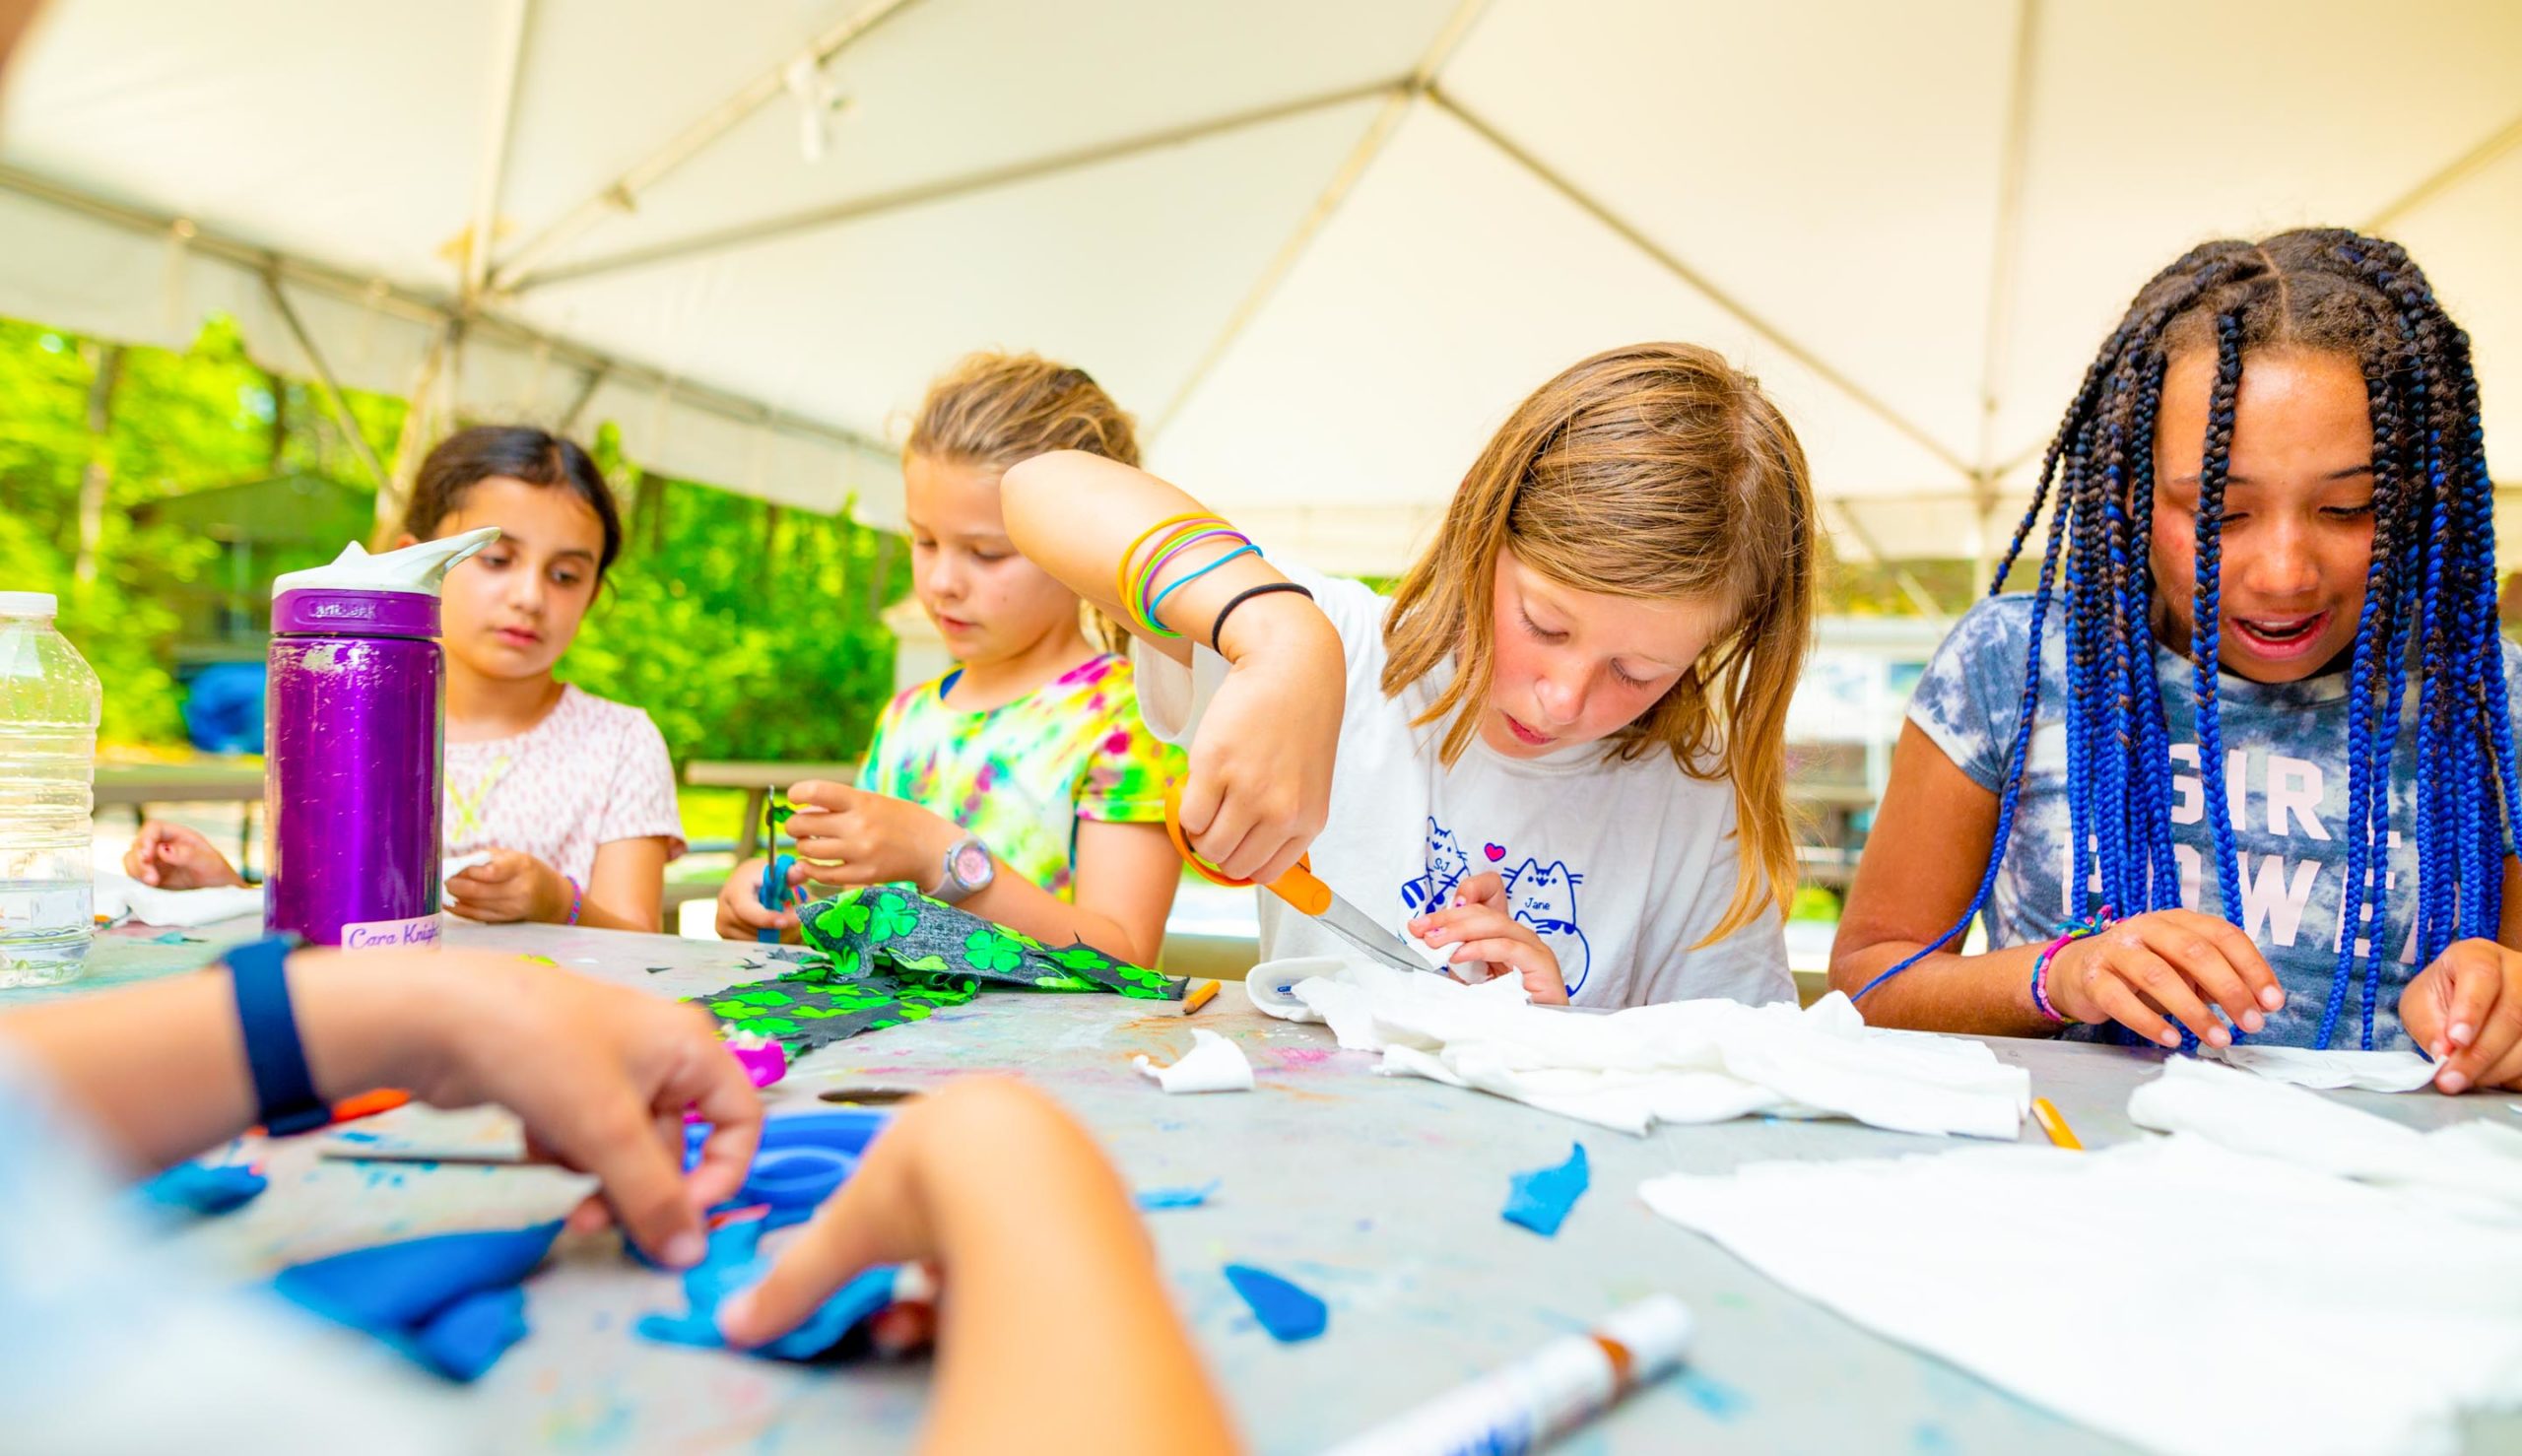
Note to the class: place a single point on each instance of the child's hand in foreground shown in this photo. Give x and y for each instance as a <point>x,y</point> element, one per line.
<point>513,887</point>
<point>851,837</point>
<point>2466,1011</point>
<point>599,1075</point>
<point>1490,942</point>
<point>2167,964</point>
<point>173,857</point>
<point>1259,787</point>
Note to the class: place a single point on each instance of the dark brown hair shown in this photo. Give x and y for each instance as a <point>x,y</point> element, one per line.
<point>520,452</point>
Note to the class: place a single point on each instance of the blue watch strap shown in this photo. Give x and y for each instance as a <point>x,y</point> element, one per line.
<point>284,1088</point>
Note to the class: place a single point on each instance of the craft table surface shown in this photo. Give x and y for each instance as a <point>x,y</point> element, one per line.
<point>1382,1195</point>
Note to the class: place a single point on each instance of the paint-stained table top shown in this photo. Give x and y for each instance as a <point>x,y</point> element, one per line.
<point>1380,1195</point>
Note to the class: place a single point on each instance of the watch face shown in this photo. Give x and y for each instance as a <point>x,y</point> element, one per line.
<point>971,865</point>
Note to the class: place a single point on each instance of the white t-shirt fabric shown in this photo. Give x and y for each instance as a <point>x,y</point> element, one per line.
<point>593,771</point>
<point>1620,866</point>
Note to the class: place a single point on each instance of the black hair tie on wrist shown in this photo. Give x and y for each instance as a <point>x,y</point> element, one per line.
<point>1217,633</point>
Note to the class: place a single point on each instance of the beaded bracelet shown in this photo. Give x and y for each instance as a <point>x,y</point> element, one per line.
<point>577,898</point>
<point>2073,930</point>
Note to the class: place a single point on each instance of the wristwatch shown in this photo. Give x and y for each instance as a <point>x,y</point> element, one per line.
<point>968,871</point>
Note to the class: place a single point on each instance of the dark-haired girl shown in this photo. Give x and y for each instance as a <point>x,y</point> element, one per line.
<point>569,798</point>
<point>2257,782</point>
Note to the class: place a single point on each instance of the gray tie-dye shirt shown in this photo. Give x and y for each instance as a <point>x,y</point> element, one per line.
<point>2286,777</point>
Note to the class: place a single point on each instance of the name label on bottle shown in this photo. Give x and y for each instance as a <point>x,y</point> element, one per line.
<point>421,932</point>
<point>34,909</point>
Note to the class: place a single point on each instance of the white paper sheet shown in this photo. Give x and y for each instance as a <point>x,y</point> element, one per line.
<point>174,908</point>
<point>2302,1066</point>
<point>2175,1293</point>
<point>1684,1062</point>
<point>1213,1064</point>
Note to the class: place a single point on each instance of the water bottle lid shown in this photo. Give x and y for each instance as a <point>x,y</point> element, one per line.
<point>29,604</point>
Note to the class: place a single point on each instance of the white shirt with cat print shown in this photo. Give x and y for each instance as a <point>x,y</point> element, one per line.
<point>1621,867</point>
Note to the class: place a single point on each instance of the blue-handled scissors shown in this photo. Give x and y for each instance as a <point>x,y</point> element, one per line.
<point>776,893</point>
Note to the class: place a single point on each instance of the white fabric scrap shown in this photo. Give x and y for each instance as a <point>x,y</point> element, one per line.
<point>1213,1064</point>
<point>2302,1066</point>
<point>1681,1062</point>
<point>2173,1292</point>
<point>2472,1160</point>
<point>120,895</point>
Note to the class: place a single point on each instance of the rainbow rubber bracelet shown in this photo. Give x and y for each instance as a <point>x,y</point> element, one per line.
<point>1247,548</point>
<point>1144,581</point>
<point>1121,571</point>
<point>2074,930</point>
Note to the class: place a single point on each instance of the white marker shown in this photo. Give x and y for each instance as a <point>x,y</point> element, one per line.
<point>1543,1397</point>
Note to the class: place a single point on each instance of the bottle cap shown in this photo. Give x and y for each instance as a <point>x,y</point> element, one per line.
<point>1655,1330</point>
<point>29,604</point>
<point>391,594</point>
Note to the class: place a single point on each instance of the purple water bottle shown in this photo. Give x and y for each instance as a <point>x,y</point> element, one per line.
<point>356,746</point>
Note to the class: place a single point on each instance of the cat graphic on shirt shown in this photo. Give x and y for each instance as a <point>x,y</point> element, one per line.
<point>1445,863</point>
<point>1545,898</point>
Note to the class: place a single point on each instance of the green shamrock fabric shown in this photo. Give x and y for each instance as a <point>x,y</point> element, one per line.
<point>884,955</point>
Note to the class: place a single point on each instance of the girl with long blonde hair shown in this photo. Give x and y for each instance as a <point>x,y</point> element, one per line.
<point>1558,750</point>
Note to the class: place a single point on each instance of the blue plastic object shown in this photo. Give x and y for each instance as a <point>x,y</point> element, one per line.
<point>1539,1199</point>
<point>201,1189</point>
<point>801,1159</point>
<point>775,892</point>
<point>734,1265</point>
<point>449,1302</point>
<point>224,708</point>
<point>1188,1196</point>
<point>1287,1312</point>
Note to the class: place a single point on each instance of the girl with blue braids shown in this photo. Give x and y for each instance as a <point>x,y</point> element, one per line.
<point>2258,780</point>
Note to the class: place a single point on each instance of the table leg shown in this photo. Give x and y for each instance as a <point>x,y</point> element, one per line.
<point>749,833</point>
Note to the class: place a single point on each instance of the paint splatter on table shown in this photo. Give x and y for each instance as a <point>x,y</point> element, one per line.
<point>1378,1195</point>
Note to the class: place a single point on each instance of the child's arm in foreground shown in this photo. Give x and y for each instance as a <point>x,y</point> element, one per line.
<point>1260,770</point>
<point>1922,864</point>
<point>594,1071</point>
<point>980,1179</point>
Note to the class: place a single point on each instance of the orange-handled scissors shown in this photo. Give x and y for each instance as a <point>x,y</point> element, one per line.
<point>1304,890</point>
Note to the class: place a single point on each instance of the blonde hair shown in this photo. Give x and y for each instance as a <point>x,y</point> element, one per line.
<point>994,409</point>
<point>1652,472</point>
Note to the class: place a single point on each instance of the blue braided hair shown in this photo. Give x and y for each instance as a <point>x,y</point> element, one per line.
<point>2430,601</point>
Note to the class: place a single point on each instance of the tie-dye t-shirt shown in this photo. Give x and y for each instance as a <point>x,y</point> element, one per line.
<point>1021,774</point>
<point>2284,776</point>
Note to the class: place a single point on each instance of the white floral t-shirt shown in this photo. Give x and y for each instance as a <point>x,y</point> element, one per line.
<point>591,773</point>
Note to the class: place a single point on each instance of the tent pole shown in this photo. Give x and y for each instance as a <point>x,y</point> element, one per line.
<point>2005,251</point>
<point>1705,287</point>
<point>335,402</point>
<point>1388,119</point>
<point>963,185</point>
<point>1901,576</point>
<point>2452,174</point>
<point>622,194</point>
<point>508,64</point>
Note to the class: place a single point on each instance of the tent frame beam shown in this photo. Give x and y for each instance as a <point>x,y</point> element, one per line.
<point>2451,175</point>
<point>1369,147</point>
<point>507,65</point>
<point>622,194</point>
<point>1699,282</point>
<point>946,189</point>
<point>422,308</point>
<point>336,403</point>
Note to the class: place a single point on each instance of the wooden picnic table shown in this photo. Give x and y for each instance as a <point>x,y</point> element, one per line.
<point>1379,1194</point>
<point>140,787</point>
<point>757,780</point>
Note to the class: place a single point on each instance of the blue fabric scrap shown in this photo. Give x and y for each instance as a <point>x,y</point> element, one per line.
<point>1287,1312</point>
<point>200,1189</point>
<point>735,1264</point>
<point>450,1302</point>
<point>1540,1199</point>
<point>1188,1196</point>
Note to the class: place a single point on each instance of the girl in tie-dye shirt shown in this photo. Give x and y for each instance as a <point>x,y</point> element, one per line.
<point>1022,784</point>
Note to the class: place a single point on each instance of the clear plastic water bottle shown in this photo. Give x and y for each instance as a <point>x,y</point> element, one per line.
<point>49,701</point>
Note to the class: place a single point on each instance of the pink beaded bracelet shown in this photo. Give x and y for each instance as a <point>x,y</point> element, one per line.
<point>2076,930</point>
<point>577,897</point>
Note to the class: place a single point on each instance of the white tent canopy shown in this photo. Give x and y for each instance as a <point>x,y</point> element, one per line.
<point>1321,247</point>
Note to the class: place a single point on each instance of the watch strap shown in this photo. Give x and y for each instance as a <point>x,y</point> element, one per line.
<point>284,1088</point>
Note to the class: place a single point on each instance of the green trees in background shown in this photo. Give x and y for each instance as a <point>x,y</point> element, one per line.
<point>746,630</point>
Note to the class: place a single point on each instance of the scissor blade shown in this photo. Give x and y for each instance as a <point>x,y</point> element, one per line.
<point>1368,935</point>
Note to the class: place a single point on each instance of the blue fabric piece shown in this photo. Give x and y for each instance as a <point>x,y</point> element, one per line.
<point>200,1189</point>
<point>1539,1199</point>
<point>734,1264</point>
<point>1187,1197</point>
<point>1287,1312</point>
<point>422,1295</point>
